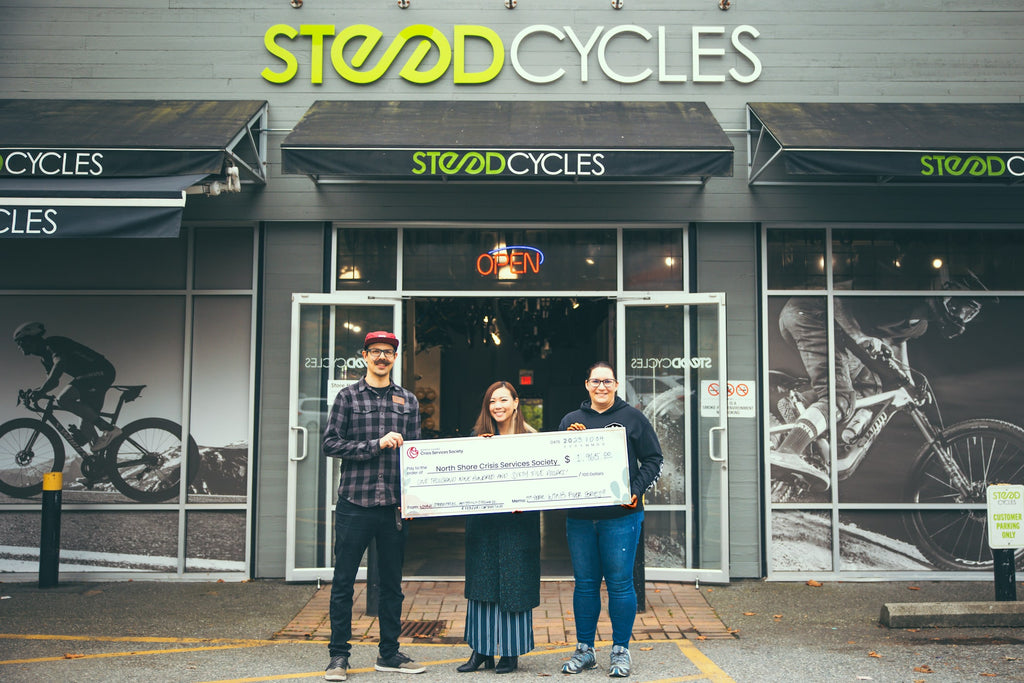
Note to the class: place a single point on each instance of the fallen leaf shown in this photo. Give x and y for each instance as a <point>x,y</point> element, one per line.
<point>851,642</point>
<point>814,583</point>
<point>70,655</point>
<point>989,675</point>
<point>923,669</point>
<point>776,616</point>
<point>874,654</point>
<point>702,637</point>
<point>649,647</point>
<point>913,588</point>
<point>749,614</point>
<point>913,630</point>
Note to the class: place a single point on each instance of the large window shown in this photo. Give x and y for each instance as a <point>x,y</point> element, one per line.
<point>892,395</point>
<point>173,319</point>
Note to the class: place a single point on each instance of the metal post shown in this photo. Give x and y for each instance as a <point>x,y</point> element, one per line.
<point>640,574</point>
<point>372,580</point>
<point>49,542</point>
<point>1004,573</point>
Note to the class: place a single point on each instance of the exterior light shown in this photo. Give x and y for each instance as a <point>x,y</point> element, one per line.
<point>296,3</point>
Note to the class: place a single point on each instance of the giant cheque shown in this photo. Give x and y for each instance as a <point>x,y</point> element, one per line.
<point>542,471</point>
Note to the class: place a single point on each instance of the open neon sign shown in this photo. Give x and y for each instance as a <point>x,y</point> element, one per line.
<point>519,260</point>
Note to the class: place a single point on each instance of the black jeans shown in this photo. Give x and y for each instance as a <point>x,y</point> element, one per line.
<point>354,527</point>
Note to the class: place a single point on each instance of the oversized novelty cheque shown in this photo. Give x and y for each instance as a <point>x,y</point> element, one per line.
<point>542,471</point>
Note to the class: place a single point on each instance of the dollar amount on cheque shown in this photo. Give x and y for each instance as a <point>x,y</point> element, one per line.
<point>543,471</point>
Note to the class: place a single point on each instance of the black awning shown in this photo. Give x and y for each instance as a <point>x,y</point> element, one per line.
<point>131,138</point>
<point>510,140</point>
<point>116,168</point>
<point>924,144</point>
<point>83,207</point>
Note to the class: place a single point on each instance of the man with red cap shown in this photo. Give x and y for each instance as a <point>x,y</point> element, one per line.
<point>369,422</point>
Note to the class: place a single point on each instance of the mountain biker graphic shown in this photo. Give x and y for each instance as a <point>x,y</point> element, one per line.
<point>874,324</point>
<point>91,376</point>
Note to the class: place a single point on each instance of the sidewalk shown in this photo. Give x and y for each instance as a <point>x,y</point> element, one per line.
<point>435,612</point>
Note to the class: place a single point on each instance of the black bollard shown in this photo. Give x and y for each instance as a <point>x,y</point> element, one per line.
<point>1004,573</point>
<point>49,542</point>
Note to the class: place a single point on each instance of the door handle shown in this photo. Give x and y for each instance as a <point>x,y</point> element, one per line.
<point>711,444</point>
<point>305,442</point>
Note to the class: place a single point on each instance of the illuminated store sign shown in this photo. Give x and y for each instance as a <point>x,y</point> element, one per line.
<point>708,45</point>
<point>512,261</point>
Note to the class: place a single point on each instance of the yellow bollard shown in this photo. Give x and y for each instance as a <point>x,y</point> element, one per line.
<point>49,543</point>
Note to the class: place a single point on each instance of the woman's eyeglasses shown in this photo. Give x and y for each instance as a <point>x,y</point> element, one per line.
<point>595,383</point>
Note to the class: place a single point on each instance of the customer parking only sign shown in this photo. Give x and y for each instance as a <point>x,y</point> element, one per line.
<point>1006,516</point>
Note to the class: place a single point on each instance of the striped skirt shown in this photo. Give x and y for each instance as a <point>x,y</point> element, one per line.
<point>491,631</point>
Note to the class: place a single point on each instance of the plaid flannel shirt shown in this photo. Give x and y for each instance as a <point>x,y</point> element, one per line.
<point>359,418</point>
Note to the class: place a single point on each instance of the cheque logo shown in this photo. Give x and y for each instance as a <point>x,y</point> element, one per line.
<point>412,453</point>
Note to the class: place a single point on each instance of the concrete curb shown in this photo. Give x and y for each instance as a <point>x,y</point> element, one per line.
<point>952,614</point>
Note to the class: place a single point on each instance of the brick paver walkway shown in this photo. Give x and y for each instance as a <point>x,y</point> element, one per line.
<point>674,611</point>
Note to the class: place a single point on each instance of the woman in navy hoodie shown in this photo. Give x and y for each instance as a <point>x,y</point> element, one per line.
<point>603,540</point>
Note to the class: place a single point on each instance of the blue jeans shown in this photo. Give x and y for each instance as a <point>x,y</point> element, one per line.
<point>604,548</point>
<point>354,527</point>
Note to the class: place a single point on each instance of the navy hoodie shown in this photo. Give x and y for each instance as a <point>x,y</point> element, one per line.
<point>642,448</point>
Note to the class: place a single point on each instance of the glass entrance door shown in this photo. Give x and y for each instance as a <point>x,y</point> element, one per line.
<point>671,355</point>
<point>327,337</point>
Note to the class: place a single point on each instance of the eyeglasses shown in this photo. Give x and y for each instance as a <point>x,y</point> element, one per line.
<point>595,383</point>
<point>377,353</point>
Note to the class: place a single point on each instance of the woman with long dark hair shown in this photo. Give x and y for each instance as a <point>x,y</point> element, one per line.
<point>502,558</point>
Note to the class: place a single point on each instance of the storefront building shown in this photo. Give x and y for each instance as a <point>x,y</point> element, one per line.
<point>768,219</point>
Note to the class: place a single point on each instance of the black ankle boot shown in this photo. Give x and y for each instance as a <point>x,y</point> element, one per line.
<point>476,660</point>
<point>507,665</point>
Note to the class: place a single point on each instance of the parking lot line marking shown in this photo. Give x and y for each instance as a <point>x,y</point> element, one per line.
<point>138,653</point>
<point>133,639</point>
<point>703,663</point>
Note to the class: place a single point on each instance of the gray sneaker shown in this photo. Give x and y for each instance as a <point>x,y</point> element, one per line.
<point>582,658</point>
<point>102,441</point>
<point>620,662</point>
<point>400,663</point>
<point>337,670</point>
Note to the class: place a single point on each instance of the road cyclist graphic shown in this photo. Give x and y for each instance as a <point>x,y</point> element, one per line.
<point>143,462</point>
<point>953,466</point>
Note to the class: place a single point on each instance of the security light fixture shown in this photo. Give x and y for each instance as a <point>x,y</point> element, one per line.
<point>724,4</point>
<point>404,4</point>
<point>511,4</point>
<point>296,3</point>
<point>616,4</point>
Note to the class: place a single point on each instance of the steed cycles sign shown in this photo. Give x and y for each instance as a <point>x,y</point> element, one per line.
<point>425,54</point>
<point>972,165</point>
